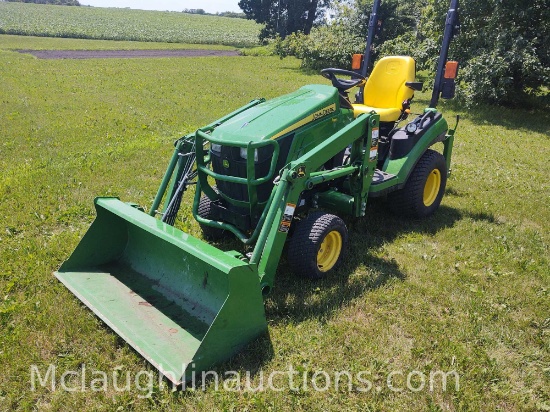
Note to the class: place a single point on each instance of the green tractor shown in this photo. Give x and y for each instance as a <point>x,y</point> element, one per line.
<point>271,173</point>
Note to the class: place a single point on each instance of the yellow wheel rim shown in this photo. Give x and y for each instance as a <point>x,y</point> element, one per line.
<point>431,189</point>
<point>329,252</point>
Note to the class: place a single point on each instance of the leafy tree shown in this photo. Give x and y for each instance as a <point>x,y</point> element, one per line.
<point>502,48</point>
<point>505,47</point>
<point>283,17</point>
<point>332,45</point>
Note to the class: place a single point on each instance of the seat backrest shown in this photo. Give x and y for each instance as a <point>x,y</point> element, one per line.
<point>385,86</point>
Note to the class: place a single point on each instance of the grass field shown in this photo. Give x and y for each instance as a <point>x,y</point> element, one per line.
<point>125,24</point>
<point>467,290</point>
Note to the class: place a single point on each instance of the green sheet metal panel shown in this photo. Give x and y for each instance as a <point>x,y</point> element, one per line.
<point>180,302</point>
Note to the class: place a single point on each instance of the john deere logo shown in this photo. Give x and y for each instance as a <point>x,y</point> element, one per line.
<point>226,163</point>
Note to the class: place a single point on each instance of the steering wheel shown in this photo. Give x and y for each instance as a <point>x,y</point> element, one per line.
<point>342,84</point>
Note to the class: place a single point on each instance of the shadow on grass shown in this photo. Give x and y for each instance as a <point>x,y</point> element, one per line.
<point>251,359</point>
<point>296,299</point>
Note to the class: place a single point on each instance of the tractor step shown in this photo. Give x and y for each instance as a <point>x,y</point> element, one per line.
<point>381,177</point>
<point>382,184</point>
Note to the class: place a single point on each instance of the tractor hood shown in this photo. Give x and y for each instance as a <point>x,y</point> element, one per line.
<point>280,116</point>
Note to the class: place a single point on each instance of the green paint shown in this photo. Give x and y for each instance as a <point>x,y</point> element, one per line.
<point>186,305</point>
<point>174,298</point>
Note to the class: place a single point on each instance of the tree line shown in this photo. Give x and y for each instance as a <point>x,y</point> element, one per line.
<point>232,14</point>
<point>55,2</point>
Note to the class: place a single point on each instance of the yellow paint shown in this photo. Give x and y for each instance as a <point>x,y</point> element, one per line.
<point>385,90</point>
<point>431,188</point>
<point>317,115</point>
<point>329,251</point>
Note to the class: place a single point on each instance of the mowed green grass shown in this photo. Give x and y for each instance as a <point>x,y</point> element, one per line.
<point>125,24</point>
<point>465,290</point>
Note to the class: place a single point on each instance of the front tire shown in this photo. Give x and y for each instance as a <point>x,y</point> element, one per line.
<point>318,245</point>
<point>424,190</point>
<point>205,211</point>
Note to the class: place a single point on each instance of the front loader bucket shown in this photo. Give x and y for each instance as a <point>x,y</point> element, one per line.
<point>181,303</point>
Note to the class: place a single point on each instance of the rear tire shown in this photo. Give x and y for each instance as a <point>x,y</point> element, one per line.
<point>205,210</point>
<point>424,190</point>
<point>318,245</point>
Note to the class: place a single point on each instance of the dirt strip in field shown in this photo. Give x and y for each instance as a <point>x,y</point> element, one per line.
<point>125,54</point>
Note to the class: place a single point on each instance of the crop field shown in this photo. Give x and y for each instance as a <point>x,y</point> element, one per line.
<point>464,293</point>
<point>125,24</point>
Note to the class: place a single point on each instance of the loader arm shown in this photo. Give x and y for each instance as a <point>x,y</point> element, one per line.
<point>302,174</point>
<point>185,145</point>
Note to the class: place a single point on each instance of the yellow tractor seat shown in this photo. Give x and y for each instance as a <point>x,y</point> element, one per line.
<point>386,88</point>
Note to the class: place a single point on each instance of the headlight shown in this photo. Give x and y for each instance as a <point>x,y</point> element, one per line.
<point>244,153</point>
<point>216,147</point>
